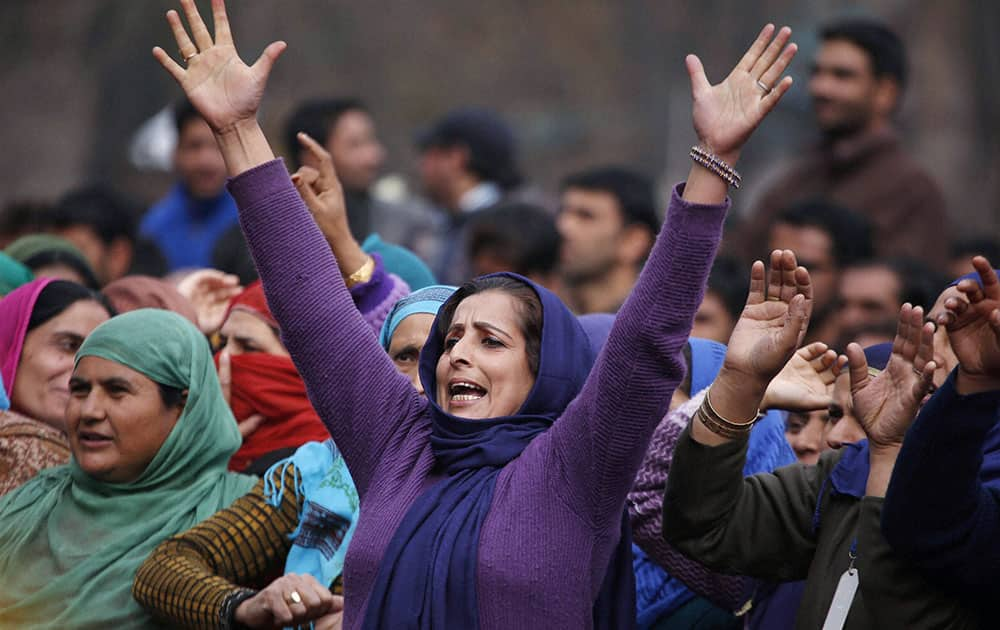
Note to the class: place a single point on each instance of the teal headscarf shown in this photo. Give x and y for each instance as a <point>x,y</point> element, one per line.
<point>12,274</point>
<point>70,545</point>
<point>426,300</point>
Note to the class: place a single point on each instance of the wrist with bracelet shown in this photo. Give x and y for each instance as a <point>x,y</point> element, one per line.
<point>227,612</point>
<point>716,165</point>
<point>714,422</point>
<point>362,275</point>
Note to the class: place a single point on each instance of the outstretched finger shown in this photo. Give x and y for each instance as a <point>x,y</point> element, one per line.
<point>198,29</point>
<point>795,322</point>
<point>185,46</point>
<point>971,290</point>
<point>262,67</point>
<point>771,53</point>
<point>925,380</point>
<point>789,265</point>
<point>699,82</point>
<point>991,284</point>
<point>327,172</point>
<point>925,354</point>
<point>757,283</point>
<point>838,365</point>
<point>813,352</point>
<point>222,33</point>
<point>857,367</point>
<point>756,49</point>
<point>773,74</point>
<point>771,99</point>
<point>774,276</point>
<point>171,66</point>
<point>308,193</point>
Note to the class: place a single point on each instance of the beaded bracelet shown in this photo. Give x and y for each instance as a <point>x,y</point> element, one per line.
<point>718,425</point>
<point>717,165</point>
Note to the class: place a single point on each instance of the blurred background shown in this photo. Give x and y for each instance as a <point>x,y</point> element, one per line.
<point>582,82</point>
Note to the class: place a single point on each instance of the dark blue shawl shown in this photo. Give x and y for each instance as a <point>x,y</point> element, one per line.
<point>427,578</point>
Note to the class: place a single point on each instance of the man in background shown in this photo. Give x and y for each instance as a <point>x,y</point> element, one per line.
<point>856,86</point>
<point>608,223</point>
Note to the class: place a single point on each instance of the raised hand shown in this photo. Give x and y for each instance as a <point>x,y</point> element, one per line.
<point>289,601</point>
<point>322,193</point>
<point>223,89</point>
<point>806,382</point>
<point>886,404</point>
<point>974,326</point>
<point>773,321</point>
<point>209,291</point>
<point>727,113</point>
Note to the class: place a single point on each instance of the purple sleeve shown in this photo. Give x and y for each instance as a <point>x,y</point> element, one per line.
<point>601,438</point>
<point>645,506</point>
<point>356,390</point>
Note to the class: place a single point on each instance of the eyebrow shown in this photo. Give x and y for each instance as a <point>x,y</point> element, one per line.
<point>489,326</point>
<point>73,336</point>
<point>410,347</point>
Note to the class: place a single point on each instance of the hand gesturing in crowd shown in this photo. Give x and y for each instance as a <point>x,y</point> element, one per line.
<point>973,326</point>
<point>727,113</point>
<point>806,381</point>
<point>223,89</point>
<point>768,332</point>
<point>209,291</point>
<point>291,600</point>
<point>886,404</point>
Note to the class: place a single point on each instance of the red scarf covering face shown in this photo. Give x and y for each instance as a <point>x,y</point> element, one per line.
<point>270,385</point>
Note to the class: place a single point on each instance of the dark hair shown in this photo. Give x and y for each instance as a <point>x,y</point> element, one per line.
<point>884,48</point>
<point>490,142</point>
<point>523,235</point>
<point>685,385</point>
<point>919,284</point>
<point>48,257</point>
<point>730,280</point>
<point>850,232</point>
<point>318,119</point>
<point>530,310</point>
<point>171,396</point>
<point>184,112</point>
<point>99,208</point>
<point>977,246</point>
<point>59,295</point>
<point>632,191</point>
<point>23,216</point>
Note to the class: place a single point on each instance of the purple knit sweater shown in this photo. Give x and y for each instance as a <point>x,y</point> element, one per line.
<point>556,511</point>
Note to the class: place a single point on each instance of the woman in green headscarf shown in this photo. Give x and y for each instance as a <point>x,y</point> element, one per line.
<point>12,274</point>
<point>151,437</point>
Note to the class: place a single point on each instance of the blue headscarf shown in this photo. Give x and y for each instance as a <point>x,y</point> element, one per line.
<point>426,300</point>
<point>4,403</point>
<point>428,572</point>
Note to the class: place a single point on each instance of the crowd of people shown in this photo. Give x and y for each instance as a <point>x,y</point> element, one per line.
<point>280,399</point>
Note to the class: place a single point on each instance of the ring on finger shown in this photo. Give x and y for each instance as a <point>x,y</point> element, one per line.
<point>188,58</point>
<point>766,89</point>
<point>773,298</point>
<point>293,598</point>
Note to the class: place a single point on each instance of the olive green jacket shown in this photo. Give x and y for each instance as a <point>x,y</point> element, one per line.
<point>768,526</point>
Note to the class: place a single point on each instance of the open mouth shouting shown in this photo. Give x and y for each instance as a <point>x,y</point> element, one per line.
<point>463,392</point>
<point>92,439</point>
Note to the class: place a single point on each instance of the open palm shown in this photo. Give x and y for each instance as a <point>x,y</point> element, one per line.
<point>221,87</point>
<point>727,113</point>
<point>886,404</point>
<point>773,320</point>
<point>974,326</point>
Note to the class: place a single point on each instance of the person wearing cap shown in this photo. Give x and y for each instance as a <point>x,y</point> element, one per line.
<point>467,164</point>
<point>608,222</point>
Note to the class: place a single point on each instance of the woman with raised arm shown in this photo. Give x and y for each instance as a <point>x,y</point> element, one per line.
<point>494,501</point>
<point>820,523</point>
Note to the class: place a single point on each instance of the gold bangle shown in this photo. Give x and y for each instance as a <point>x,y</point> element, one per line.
<point>734,425</point>
<point>362,275</point>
